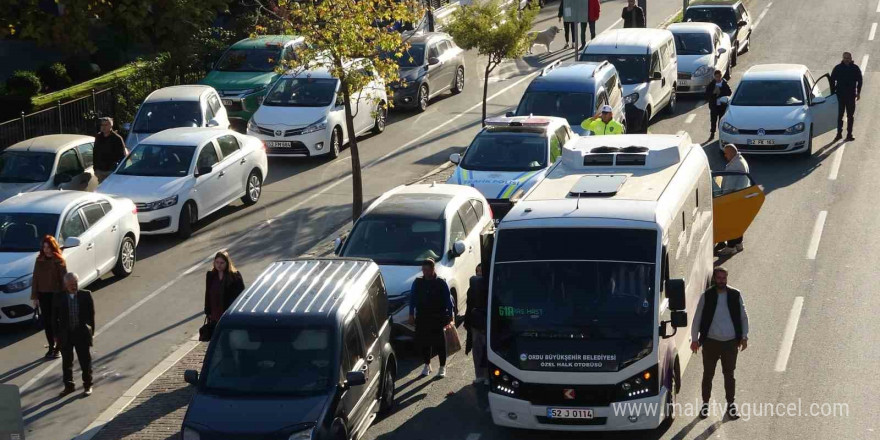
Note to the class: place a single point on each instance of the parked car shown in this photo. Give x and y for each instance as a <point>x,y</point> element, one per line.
<point>173,107</point>
<point>574,91</point>
<point>246,70</point>
<point>309,358</point>
<point>432,65</point>
<point>181,175</point>
<point>779,109</point>
<point>509,156</point>
<point>303,116</point>
<point>99,235</point>
<point>410,223</point>
<point>731,16</point>
<point>56,161</point>
<point>702,49</point>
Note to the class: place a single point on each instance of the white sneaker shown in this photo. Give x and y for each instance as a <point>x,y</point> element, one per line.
<point>426,371</point>
<point>441,372</point>
<point>739,247</point>
<point>727,252</point>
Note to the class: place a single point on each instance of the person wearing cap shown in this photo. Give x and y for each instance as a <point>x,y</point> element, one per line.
<point>603,123</point>
<point>431,309</point>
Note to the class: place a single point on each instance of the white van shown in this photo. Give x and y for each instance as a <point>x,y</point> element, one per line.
<point>648,68</point>
<point>594,274</point>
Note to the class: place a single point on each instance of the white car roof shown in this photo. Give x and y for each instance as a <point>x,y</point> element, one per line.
<point>693,27</point>
<point>453,192</point>
<point>188,136</point>
<point>627,41</point>
<point>776,71</point>
<point>192,92</point>
<point>47,202</point>
<point>52,143</point>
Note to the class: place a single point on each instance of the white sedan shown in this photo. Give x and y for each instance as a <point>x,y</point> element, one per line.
<point>702,49</point>
<point>779,109</point>
<point>99,235</point>
<point>178,176</point>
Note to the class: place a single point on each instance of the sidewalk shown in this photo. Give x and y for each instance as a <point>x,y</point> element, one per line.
<point>156,412</point>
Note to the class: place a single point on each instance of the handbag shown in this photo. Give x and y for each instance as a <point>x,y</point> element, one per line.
<point>453,342</point>
<point>206,330</point>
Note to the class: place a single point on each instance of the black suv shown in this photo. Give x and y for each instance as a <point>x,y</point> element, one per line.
<point>432,65</point>
<point>303,354</point>
<point>731,16</point>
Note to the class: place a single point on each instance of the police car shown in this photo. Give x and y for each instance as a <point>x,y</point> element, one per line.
<point>509,156</point>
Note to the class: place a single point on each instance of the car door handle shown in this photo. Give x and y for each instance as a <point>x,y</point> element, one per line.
<point>114,228</point>
<point>751,195</point>
<point>242,161</point>
<point>370,359</point>
<point>90,246</point>
<point>222,173</point>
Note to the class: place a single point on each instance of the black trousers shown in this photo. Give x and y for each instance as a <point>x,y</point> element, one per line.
<point>570,31</point>
<point>715,114</point>
<point>80,345</point>
<point>726,352</point>
<point>845,104</point>
<point>47,311</point>
<point>431,340</point>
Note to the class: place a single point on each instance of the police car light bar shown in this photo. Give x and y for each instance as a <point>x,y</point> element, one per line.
<point>518,121</point>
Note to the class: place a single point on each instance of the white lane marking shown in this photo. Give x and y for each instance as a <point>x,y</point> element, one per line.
<point>788,336</point>
<point>761,17</point>
<point>873,32</point>
<point>817,235</point>
<point>864,63</point>
<point>473,436</point>
<point>690,118</point>
<point>878,6</point>
<point>835,164</point>
<point>619,20</point>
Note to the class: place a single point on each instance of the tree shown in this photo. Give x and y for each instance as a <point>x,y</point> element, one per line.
<point>346,38</point>
<point>494,32</point>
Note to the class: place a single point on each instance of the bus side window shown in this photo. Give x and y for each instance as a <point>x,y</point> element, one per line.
<point>664,272</point>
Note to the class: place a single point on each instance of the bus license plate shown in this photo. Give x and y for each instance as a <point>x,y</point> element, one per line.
<point>762,142</point>
<point>277,144</point>
<point>569,413</point>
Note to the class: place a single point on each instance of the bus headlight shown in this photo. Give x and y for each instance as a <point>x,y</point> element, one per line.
<point>503,383</point>
<point>641,385</point>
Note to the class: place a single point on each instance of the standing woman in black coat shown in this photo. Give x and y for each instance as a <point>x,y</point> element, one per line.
<point>223,284</point>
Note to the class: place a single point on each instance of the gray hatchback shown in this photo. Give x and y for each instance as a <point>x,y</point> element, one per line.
<point>432,65</point>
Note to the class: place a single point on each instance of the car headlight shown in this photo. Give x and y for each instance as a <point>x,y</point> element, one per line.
<point>796,128</point>
<point>317,126</point>
<point>159,204</point>
<point>727,128</point>
<point>19,284</point>
<point>703,71</point>
<point>305,434</point>
<point>190,434</point>
<point>631,98</point>
<point>251,125</point>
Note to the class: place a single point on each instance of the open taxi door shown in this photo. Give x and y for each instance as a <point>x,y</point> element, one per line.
<point>736,200</point>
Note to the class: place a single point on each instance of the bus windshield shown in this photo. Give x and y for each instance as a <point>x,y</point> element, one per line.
<point>573,299</point>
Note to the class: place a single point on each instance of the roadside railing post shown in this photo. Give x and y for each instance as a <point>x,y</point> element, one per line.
<point>23,127</point>
<point>60,123</point>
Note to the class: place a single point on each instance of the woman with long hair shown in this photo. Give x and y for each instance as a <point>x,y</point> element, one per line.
<point>223,283</point>
<point>48,284</point>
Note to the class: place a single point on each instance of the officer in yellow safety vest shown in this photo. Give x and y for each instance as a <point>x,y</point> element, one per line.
<point>603,123</point>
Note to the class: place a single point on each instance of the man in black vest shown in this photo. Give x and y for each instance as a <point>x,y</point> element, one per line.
<point>74,321</point>
<point>430,308</point>
<point>721,327</point>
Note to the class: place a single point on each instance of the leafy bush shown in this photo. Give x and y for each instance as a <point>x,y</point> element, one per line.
<point>79,68</point>
<point>55,76</point>
<point>24,83</point>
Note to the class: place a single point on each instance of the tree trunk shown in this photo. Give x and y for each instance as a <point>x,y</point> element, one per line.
<point>357,190</point>
<point>486,89</point>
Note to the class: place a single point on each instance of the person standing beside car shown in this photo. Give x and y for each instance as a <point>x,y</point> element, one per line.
<point>74,323</point>
<point>475,323</point>
<point>223,284</point>
<point>633,15</point>
<point>846,82</point>
<point>109,150</point>
<point>714,92</point>
<point>431,309</point>
<point>47,285</point>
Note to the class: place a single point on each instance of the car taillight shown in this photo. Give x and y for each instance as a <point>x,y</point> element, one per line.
<point>491,213</point>
<point>134,209</point>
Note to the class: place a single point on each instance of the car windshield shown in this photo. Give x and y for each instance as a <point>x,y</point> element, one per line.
<point>501,151</point>
<point>22,232</point>
<point>158,161</point>
<point>565,295</point>
<point>25,166</point>
<point>574,107</point>
<point>632,69</point>
<point>249,60</point>
<point>397,241</point>
<point>769,93</point>
<point>271,361</point>
<point>693,44</point>
<point>302,92</point>
<point>725,18</point>
<point>413,57</point>
<point>154,117</point>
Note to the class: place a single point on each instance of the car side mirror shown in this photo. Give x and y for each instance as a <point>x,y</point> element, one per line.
<point>213,123</point>
<point>191,377</point>
<point>675,293</point>
<point>657,75</point>
<point>433,61</point>
<point>339,102</point>
<point>71,242</point>
<point>724,100</point>
<point>354,378</point>
<point>509,114</point>
<point>679,319</point>
<point>742,23</point>
<point>204,170</point>
<point>458,249</point>
<point>337,245</point>
<point>455,158</point>
<point>126,126</point>
<point>62,179</point>
<point>722,51</point>
<point>818,100</point>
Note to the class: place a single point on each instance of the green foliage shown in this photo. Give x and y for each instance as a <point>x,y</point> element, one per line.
<point>55,76</point>
<point>23,83</point>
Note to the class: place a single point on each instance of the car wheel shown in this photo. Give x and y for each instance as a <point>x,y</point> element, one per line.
<point>806,154</point>
<point>645,122</point>
<point>335,143</point>
<point>733,56</point>
<point>253,188</point>
<point>673,99</point>
<point>126,258</point>
<point>381,118</point>
<point>386,400</point>
<point>337,430</point>
<point>422,103</point>
<point>459,81</point>
<point>188,215</point>
<point>748,45</point>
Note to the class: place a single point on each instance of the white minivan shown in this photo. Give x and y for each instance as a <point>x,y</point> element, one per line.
<point>647,64</point>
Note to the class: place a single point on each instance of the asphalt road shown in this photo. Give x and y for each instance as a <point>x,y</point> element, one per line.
<point>142,318</point>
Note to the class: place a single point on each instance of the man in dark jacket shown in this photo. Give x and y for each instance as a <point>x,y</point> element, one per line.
<point>714,92</point>
<point>74,322</point>
<point>633,15</point>
<point>721,327</point>
<point>109,150</point>
<point>431,309</point>
<point>846,82</point>
<point>475,323</point>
